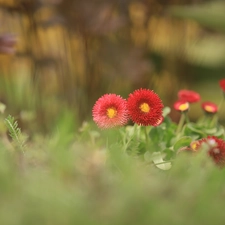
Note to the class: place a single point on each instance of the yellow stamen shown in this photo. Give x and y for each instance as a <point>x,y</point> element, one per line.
<point>194,145</point>
<point>209,108</point>
<point>111,112</point>
<point>144,107</point>
<point>184,106</point>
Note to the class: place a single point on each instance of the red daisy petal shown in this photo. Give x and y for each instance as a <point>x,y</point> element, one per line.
<point>110,111</point>
<point>188,96</point>
<point>209,107</point>
<point>159,121</point>
<point>222,84</point>
<point>145,107</point>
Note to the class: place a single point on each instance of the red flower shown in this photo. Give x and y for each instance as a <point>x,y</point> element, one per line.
<point>159,121</point>
<point>222,84</point>
<point>110,111</point>
<point>216,148</point>
<point>145,107</point>
<point>188,96</point>
<point>209,107</point>
<point>181,105</point>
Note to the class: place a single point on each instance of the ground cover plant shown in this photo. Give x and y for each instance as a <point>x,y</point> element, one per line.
<point>151,170</point>
<point>154,136</point>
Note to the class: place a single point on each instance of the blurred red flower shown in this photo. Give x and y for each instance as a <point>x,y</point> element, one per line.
<point>188,96</point>
<point>160,121</point>
<point>209,107</point>
<point>110,111</point>
<point>8,43</point>
<point>216,148</point>
<point>222,84</point>
<point>145,107</point>
<point>181,105</point>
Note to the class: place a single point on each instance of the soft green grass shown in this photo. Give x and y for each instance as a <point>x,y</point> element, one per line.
<point>84,177</point>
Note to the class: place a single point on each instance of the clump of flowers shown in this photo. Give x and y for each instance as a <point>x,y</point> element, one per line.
<point>154,137</point>
<point>143,107</point>
<point>214,146</point>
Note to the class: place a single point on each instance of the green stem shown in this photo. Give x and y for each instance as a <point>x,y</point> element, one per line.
<point>146,135</point>
<point>186,117</point>
<point>213,121</point>
<point>202,120</point>
<point>181,122</point>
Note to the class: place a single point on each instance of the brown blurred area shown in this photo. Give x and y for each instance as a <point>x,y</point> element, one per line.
<point>67,53</point>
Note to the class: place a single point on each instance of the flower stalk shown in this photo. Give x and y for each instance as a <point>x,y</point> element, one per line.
<point>181,122</point>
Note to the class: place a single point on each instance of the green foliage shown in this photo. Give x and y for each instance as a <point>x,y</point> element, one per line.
<point>88,183</point>
<point>182,142</point>
<point>160,145</point>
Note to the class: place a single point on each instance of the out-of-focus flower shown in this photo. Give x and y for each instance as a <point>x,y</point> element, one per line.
<point>7,43</point>
<point>145,107</point>
<point>195,145</point>
<point>209,107</point>
<point>188,96</point>
<point>160,121</point>
<point>110,111</point>
<point>222,84</point>
<point>215,148</point>
<point>181,106</point>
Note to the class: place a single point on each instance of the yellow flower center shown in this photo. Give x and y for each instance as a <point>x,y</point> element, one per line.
<point>144,107</point>
<point>194,145</point>
<point>209,108</point>
<point>111,112</point>
<point>184,106</point>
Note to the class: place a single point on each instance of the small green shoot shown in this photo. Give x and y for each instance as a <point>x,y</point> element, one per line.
<point>15,132</point>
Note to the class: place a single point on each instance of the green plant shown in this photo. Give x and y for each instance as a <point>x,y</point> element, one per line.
<point>154,137</point>
<point>15,132</point>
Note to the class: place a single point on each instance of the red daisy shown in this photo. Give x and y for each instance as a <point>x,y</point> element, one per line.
<point>181,106</point>
<point>145,107</point>
<point>188,96</point>
<point>216,148</point>
<point>110,111</point>
<point>222,84</point>
<point>209,107</point>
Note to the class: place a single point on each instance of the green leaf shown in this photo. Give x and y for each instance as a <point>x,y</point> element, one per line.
<point>148,156</point>
<point>166,111</point>
<point>182,142</point>
<point>169,153</point>
<point>211,131</point>
<point>192,129</point>
<point>220,132</point>
<point>157,158</point>
<point>156,134</point>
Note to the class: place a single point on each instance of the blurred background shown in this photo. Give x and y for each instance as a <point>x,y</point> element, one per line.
<point>62,55</point>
